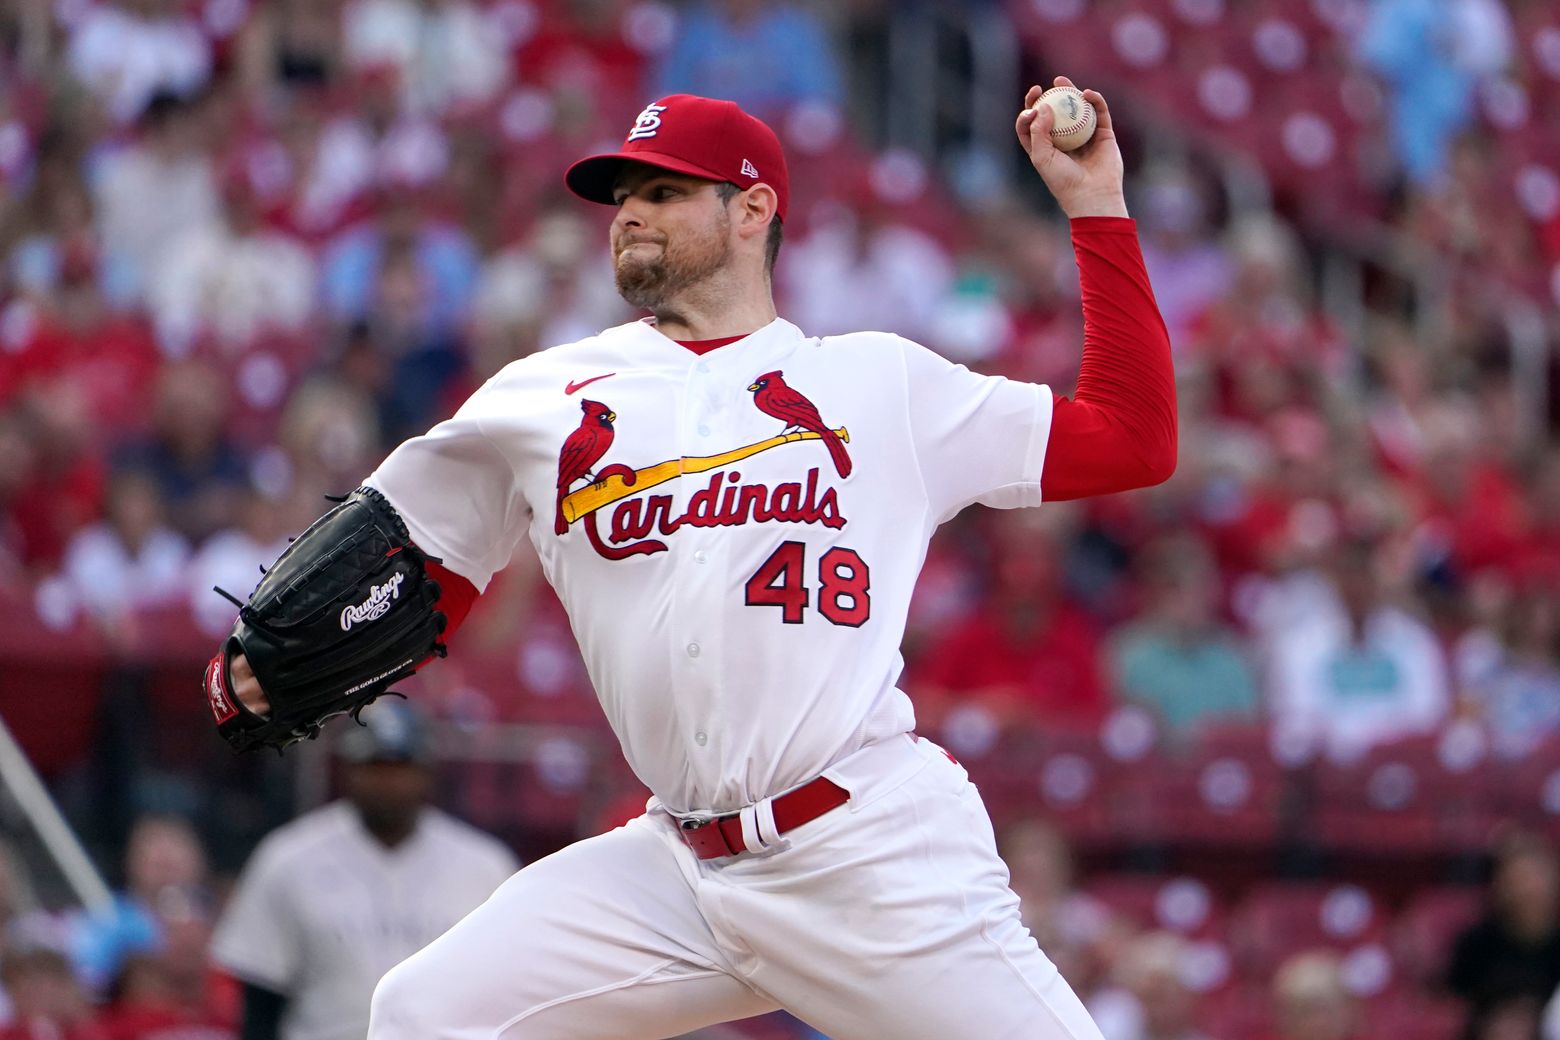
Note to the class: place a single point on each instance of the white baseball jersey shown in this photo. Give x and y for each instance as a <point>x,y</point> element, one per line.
<point>738,587</point>
<point>323,910</point>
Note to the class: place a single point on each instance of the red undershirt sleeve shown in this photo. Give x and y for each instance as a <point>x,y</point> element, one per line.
<point>1119,429</point>
<point>456,595</point>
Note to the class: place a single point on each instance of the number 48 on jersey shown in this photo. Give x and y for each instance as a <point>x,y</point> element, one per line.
<point>843,583</point>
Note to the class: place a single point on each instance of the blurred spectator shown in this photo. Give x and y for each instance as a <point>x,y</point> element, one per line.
<point>164,863</point>
<point>1471,508</point>
<point>763,56</point>
<point>127,51</point>
<point>1508,671</point>
<point>309,954</point>
<point>290,44</point>
<point>1516,1019</point>
<point>1027,656</point>
<point>56,478</point>
<point>1310,1000</point>
<point>1187,266</point>
<point>443,53</point>
<point>552,287</point>
<point>198,469</point>
<point>58,234</point>
<point>860,264</point>
<point>151,192</point>
<point>232,558</point>
<point>1265,345</point>
<point>1178,660</point>
<point>46,1000</point>
<point>590,57</point>
<point>1511,958</point>
<point>420,359</point>
<point>330,427</point>
<point>1401,401</point>
<point>131,558</point>
<point>232,278</point>
<point>172,992</point>
<point>1151,999</point>
<point>71,337</point>
<point>1037,284</point>
<point>1356,670</point>
<point>334,149</point>
<point>403,257</point>
<point>1433,55</point>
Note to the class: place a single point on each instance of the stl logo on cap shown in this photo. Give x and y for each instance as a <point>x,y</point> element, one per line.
<point>647,123</point>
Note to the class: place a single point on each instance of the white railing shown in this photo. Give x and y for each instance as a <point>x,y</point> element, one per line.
<point>34,801</point>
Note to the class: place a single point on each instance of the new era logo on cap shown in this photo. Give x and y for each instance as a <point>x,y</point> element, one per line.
<point>698,136</point>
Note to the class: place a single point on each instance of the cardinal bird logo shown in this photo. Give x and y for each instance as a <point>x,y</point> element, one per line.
<point>774,397</point>
<point>581,451</point>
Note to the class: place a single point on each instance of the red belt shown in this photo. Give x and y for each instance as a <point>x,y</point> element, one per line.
<point>722,835</point>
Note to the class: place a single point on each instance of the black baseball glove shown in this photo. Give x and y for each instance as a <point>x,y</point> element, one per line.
<point>347,610</point>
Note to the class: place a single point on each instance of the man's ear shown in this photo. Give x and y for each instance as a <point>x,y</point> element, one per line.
<point>758,205</point>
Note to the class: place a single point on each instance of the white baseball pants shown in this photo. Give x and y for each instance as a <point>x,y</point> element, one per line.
<point>889,918</point>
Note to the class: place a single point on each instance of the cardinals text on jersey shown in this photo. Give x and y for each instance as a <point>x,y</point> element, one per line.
<point>726,501</point>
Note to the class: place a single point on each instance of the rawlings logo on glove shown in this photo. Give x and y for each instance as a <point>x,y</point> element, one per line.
<point>376,606</point>
<point>216,691</point>
<point>306,634</point>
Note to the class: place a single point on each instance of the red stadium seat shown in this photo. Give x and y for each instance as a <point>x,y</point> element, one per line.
<point>1238,1013</point>
<point>1280,918</point>
<point>1414,1015</point>
<point>51,705</point>
<point>1181,904</point>
<point>1064,778</point>
<point>1403,799</point>
<point>1225,793</point>
<point>1528,789</point>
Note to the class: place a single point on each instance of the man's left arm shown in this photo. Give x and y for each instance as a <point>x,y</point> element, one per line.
<point>1119,429</point>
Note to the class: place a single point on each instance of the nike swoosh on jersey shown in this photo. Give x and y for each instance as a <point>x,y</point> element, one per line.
<point>585,382</point>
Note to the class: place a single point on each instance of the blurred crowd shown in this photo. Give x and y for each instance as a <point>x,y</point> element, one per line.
<point>246,247</point>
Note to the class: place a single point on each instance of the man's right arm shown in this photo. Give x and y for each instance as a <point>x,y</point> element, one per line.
<point>456,494</point>
<point>456,595</point>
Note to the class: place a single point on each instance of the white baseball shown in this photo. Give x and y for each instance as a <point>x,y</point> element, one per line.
<point>1075,118</point>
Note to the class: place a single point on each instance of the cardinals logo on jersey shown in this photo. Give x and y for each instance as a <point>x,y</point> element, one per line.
<point>774,397</point>
<point>582,450</point>
<point>725,502</point>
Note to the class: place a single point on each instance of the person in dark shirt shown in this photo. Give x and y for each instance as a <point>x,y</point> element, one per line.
<point>1512,955</point>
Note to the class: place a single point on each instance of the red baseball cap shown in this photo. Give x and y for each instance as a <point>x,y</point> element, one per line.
<point>699,136</point>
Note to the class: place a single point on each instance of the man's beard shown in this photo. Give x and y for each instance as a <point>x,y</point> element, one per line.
<point>648,283</point>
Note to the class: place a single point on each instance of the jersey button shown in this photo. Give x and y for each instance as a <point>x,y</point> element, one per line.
<point>700,738</point>
<point>704,431</point>
<point>700,557</point>
<point>693,649</point>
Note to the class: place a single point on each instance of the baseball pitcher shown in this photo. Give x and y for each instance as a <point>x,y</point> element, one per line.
<point>733,513</point>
